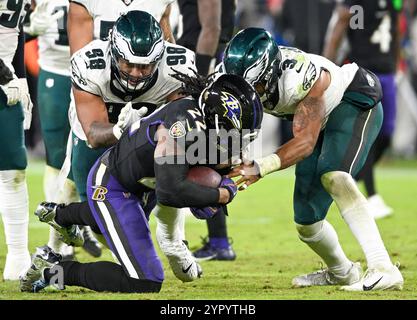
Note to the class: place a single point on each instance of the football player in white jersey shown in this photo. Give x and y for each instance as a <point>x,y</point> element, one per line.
<point>48,21</point>
<point>93,19</point>
<point>113,81</point>
<point>15,107</point>
<point>336,114</point>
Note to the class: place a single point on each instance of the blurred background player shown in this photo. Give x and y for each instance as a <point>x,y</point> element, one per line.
<point>207,36</point>
<point>48,21</point>
<point>374,46</point>
<point>15,116</point>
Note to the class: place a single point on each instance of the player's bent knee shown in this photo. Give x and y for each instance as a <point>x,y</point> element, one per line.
<point>310,232</point>
<point>336,182</point>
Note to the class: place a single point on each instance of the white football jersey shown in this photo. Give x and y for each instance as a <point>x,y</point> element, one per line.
<point>106,12</point>
<point>300,72</point>
<point>54,53</point>
<point>91,72</point>
<point>12,13</point>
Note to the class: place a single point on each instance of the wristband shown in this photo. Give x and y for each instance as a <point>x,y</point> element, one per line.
<point>268,164</point>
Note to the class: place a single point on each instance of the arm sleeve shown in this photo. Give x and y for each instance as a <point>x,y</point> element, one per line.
<point>174,190</point>
<point>19,58</point>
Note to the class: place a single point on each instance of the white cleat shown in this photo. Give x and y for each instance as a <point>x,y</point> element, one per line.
<point>378,207</point>
<point>378,279</point>
<point>327,278</point>
<point>183,263</point>
<point>15,266</point>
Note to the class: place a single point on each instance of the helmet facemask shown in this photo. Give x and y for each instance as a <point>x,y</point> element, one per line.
<point>136,48</point>
<point>129,82</point>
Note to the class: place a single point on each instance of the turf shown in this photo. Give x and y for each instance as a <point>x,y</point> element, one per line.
<point>269,253</point>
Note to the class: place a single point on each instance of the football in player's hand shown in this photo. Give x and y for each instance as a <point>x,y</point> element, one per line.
<point>204,176</point>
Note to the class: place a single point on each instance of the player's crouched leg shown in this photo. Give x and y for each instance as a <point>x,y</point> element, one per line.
<point>48,269</point>
<point>169,236</point>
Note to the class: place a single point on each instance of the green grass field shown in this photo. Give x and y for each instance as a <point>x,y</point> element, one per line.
<point>269,253</point>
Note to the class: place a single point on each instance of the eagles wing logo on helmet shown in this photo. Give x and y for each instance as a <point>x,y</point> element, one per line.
<point>233,109</point>
<point>255,71</point>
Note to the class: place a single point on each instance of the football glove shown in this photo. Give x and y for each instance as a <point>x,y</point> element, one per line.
<point>230,186</point>
<point>127,116</point>
<point>17,90</point>
<point>42,18</point>
<point>204,213</point>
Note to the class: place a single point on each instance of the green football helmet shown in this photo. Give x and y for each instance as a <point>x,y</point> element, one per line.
<point>253,54</point>
<point>136,40</point>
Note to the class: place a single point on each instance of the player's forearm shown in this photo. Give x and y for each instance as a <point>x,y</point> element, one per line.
<point>101,135</point>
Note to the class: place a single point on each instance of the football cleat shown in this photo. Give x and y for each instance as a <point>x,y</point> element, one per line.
<point>378,279</point>
<point>46,212</point>
<point>327,278</point>
<point>182,263</point>
<point>91,245</point>
<point>208,252</point>
<point>33,280</point>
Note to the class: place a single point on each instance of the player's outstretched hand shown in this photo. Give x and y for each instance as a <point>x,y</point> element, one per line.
<point>127,116</point>
<point>248,173</point>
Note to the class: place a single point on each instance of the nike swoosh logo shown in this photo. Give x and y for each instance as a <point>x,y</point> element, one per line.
<point>299,69</point>
<point>367,288</point>
<point>188,268</point>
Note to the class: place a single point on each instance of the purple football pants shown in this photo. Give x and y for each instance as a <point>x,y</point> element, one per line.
<point>389,103</point>
<point>124,224</point>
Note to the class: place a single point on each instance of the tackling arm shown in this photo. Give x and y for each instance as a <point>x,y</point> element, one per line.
<point>80,27</point>
<point>171,170</point>
<point>307,122</point>
<point>336,31</point>
<point>92,113</point>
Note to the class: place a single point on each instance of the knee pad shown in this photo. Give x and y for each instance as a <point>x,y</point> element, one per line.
<point>311,232</point>
<point>343,189</point>
<point>337,182</point>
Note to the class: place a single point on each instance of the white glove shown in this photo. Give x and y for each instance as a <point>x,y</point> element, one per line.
<point>26,103</point>
<point>127,116</point>
<point>12,90</point>
<point>42,18</point>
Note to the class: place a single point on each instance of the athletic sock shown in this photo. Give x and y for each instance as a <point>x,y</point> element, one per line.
<point>355,210</point>
<point>322,239</point>
<point>202,62</point>
<point>77,213</point>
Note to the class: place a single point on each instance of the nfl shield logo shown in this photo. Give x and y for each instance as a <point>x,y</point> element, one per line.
<point>127,2</point>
